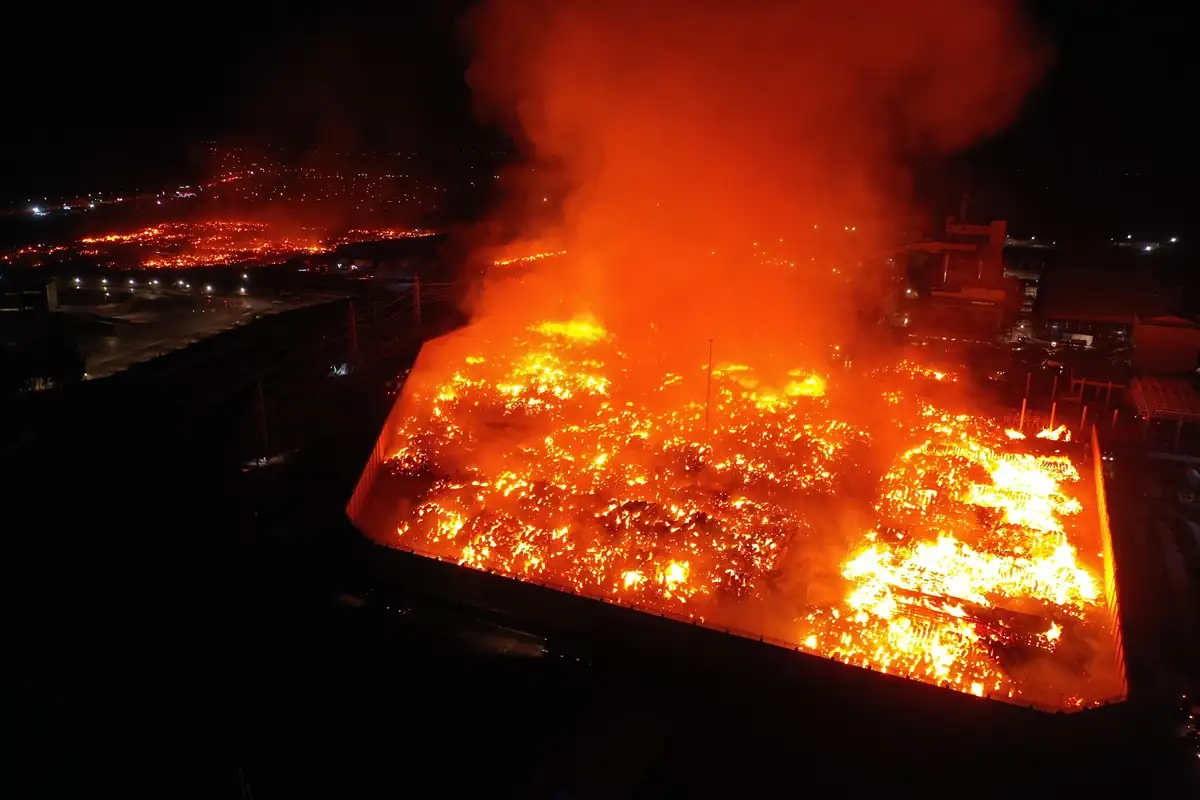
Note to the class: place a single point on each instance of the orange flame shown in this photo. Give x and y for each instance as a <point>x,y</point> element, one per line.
<point>545,462</point>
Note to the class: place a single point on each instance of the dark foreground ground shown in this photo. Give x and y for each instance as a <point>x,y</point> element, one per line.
<point>184,628</point>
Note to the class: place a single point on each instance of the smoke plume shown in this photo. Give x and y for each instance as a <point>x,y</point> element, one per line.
<point>694,134</point>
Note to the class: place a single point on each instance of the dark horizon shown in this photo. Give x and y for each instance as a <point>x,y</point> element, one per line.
<point>1099,143</point>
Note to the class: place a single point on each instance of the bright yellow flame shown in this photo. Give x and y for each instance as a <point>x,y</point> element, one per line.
<point>542,462</point>
<point>583,329</point>
<point>810,386</point>
<point>1059,434</point>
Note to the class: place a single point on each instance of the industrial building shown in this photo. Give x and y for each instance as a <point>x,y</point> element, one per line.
<point>957,285</point>
<point>393,494</point>
<point>23,290</point>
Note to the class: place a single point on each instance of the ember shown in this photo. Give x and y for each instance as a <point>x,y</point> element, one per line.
<point>182,245</point>
<point>549,459</point>
<point>529,259</point>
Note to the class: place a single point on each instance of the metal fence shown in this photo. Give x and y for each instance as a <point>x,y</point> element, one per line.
<point>379,455</point>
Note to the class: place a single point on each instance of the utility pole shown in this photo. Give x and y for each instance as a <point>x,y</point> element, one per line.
<point>708,390</point>
<point>417,300</point>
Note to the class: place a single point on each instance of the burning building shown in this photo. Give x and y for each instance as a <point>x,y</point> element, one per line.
<point>695,450</point>
<point>844,514</point>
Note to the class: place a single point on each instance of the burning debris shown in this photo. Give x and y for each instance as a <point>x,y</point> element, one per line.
<point>711,189</point>
<point>533,258</point>
<point>182,245</point>
<point>549,458</point>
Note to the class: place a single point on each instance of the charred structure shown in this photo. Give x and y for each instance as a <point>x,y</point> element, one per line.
<point>836,511</point>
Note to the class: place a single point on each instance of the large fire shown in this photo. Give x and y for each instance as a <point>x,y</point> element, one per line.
<point>746,499</point>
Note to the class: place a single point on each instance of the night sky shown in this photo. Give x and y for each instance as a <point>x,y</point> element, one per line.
<point>103,93</point>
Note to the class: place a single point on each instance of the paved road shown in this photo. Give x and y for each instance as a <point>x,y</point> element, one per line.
<point>146,335</point>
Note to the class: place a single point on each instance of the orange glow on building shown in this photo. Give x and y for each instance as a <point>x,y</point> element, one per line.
<point>549,458</point>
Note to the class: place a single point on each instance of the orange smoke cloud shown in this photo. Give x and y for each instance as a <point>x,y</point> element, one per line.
<point>715,153</point>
